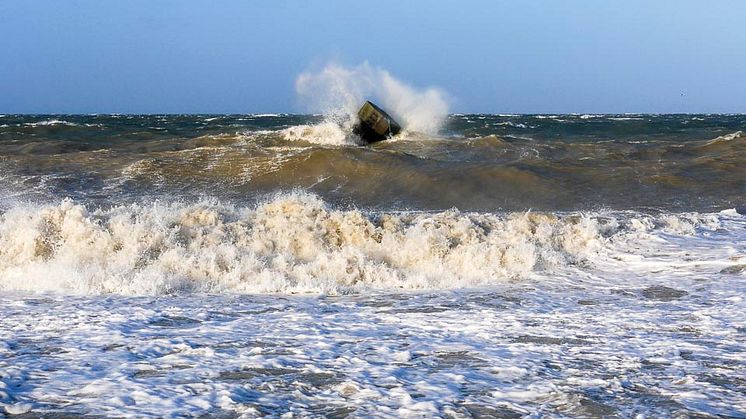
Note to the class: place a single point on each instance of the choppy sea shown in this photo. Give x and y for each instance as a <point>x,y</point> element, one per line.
<point>269,265</point>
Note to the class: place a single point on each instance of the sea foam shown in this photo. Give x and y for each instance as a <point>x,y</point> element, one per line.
<point>295,242</point>
<point>291,243</point>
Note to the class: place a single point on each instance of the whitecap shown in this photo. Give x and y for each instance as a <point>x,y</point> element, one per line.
<point>50,122</point>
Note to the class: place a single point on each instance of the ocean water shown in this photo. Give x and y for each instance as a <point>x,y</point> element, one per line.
<point>269,265</point>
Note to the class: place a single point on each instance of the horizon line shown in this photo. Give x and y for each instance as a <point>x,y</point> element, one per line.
<point>271,114</point>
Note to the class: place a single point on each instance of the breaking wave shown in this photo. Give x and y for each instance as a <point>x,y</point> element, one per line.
<point>292,243</point>
<point>55,122</point>
<point>325,133</point>
<point>727,138</point>
<point>49,122</point>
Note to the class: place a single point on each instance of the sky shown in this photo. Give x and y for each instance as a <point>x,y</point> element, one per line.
<point>527,56</point>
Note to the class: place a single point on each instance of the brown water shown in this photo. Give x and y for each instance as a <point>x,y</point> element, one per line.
<point>478,162</point>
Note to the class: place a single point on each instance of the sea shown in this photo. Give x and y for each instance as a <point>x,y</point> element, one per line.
<point>536,266</point>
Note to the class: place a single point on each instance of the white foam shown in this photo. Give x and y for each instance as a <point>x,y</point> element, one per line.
<point>338,91</point>
<point>659,333</point>
<point>53,122</point>
<point>726,138</point>
<point>50,122</point>
<point>610,313</point>
<point>326,133</point>
<point>292,243</point>
<point>265,115</point>
<point>297,243</point>
<point>512,124</point>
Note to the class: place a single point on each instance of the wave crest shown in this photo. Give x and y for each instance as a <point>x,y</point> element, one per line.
<point>292,243</point>
<point>325,133</point>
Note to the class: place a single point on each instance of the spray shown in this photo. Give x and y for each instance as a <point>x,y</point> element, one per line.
<point>338,91</point>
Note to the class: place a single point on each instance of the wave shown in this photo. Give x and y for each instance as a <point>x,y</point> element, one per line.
<point>57,122</point>
<point>295,243</point>
<point>727,138</point>
<point>45,123</point>
<point>511,124</point>
<point>291,243</point>
<point>50,122</point>
<point>334,134</point>
<point>324,133</point>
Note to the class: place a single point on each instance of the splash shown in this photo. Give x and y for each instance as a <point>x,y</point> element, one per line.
<point>338,91</point>
<point>324,133</point>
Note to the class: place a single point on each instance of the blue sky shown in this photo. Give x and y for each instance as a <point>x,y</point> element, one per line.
<point>537,56</point>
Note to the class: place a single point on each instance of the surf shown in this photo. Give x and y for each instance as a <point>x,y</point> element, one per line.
<point>298,243</point>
